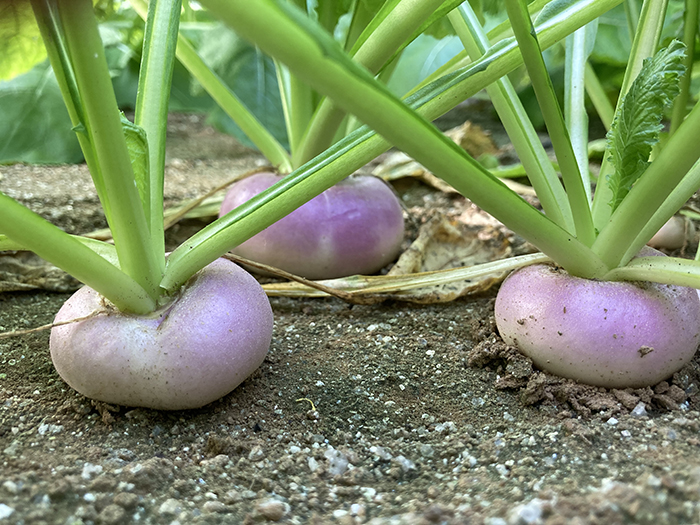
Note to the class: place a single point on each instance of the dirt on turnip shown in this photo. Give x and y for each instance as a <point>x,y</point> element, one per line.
<point>394,413</point>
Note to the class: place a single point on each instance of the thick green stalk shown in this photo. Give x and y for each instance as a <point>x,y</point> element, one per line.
<point>598,97</point>
<point>352,152</point>
<point>155,76</point>
<point>690,30</point>
<point>297,100</point>
<point>517,124</point>
<point>645,43</point>
<point>544,91</point>
<point>103,125</point>
<point>379,47</point>
<point>226,99</point>
<point>660,179</point>
<point>664,270</point>
<point>574,100</point>
<point>316,58</point>
<point>52,34</point>
<point>674,202</point>
<point>56,246</point>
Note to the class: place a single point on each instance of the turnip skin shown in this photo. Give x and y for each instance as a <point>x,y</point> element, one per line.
<point>610,334</point>
<point>192,352</point>
<point>674,234</point>
<point>355,227</point>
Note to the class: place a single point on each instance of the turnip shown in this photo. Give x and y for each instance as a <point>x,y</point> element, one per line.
<point>184,355</point>
<point>354,227</point>
<point>604,333</point>
<point>674,234</point>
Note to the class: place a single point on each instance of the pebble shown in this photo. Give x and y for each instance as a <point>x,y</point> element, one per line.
<point>5,511</point>
<point>170,507</point>
<point>272,510</point>
<point>213,507</point>
<point>639,411</point>
<point>112,515</point>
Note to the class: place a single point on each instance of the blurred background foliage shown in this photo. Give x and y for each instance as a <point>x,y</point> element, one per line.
<point>36,128</point>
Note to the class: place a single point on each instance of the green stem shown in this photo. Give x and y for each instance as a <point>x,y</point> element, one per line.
<point>56,246</point>
<point>226,99</point>
<point>596,93</point>
<point>312,55</point>
<point>664,270</point>
<point>649,193</point>
<point>298,103</point>
<point>517,124</point>
<point>103,124</point>
<point>690,30</point>
<point>54,40</point>
<point>632,16</point>
<point>379,47</point>
<point>363,146</point>
<point>574,101</point>
<point>674,202</point>
<point>544,91</point>
<point>152,99</point>
<point>645,42</point>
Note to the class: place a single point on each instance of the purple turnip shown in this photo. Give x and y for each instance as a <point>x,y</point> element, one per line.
<point>187,354</point>
<point>355,227</point>
<point>610,334</point>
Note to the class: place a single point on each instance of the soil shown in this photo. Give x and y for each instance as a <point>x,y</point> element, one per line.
<point>393,413</point>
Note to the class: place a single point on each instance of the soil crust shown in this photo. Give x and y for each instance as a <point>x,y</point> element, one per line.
<point>393,413</point>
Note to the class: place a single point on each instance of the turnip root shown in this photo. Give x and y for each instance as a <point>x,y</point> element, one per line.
<point>674,234</point>
<point>610,334</point>
<point>190,353</point>
<point>355,227</point>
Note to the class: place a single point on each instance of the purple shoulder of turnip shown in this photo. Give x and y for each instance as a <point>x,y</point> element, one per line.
<point>603,333</point>
<point>185,355</point>
<point>355,227</point>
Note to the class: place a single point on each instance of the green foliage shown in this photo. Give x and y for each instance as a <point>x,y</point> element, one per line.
<point>36,127</point>
<point>21,47</point>
<point>637,122</point>
<point>250,74</point>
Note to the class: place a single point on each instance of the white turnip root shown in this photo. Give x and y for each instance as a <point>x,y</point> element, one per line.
<point>674,234</point>
<point>355,227</point>
<point>191,352</point>
<point>610,334</point>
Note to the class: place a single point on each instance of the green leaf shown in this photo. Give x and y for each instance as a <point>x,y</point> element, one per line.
<point>637,122</point>
<point>21,47</point>
<point>137,144</point>
<point>250,75</point>
<point>35,126</point>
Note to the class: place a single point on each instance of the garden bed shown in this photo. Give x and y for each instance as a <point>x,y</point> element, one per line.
<point>387,413</point>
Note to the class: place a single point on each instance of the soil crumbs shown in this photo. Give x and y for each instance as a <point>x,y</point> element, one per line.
<point>389,414</point>
<point>382,414</point>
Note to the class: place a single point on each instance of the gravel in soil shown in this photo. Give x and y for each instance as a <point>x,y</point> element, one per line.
<point>384,414</point>
<point>390,413</point>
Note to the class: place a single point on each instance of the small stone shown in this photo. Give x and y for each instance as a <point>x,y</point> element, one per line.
<point>527,514</point>
<point>213,507</point>
<point>126,500</point>
<point>272,510</point>
<point>426,450</point>
<point>612,421</point>
<point>337,462</point>
<point>232,496</point>
<point>112,515</point>
<point>640,410</point>
<point>170,507</point>
<point>11,487</point>
<point>5,511</point>
<point>90,470</point>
